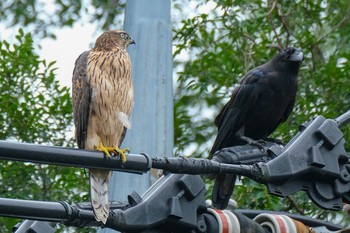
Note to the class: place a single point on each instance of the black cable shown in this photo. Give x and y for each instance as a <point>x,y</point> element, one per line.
<point>72,157</point>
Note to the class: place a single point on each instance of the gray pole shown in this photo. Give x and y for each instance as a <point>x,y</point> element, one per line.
<point>148,23</point>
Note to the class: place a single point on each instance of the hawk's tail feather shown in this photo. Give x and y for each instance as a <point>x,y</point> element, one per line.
<point>99,193</point>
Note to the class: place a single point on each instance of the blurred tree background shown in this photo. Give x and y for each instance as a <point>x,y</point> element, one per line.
<point>215,44</point>
<point>236,36</point>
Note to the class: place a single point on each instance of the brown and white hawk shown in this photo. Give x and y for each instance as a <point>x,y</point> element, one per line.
<point>103,98</point>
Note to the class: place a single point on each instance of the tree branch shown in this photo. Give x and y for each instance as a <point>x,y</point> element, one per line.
<point>295,205</point>
<point>284,24</point>
<point>273,7</point>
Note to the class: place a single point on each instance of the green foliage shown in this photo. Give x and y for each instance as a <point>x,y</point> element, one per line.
<point>236,36</point>
<point>44,16</point>
<point>223,45</point>
<point>34,108</point>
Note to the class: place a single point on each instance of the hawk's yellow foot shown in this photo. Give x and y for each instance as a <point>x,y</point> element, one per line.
<point>105,150</point>
<point>122,153</point>
<point>108,150</point>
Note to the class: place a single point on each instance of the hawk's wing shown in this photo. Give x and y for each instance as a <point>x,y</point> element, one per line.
<point>123,136</point>
<point>81,94</point>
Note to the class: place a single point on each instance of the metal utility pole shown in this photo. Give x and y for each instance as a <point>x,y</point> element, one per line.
<point>148,23</point>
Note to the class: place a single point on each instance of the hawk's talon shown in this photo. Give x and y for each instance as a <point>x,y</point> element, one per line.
<point>114,150</point>
<point>103,149</point>
<point>122,153</point>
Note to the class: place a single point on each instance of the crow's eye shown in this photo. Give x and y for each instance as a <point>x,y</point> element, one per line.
<point>290,51</point>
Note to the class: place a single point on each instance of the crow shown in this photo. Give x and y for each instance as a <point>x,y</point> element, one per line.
<point>263,100</point>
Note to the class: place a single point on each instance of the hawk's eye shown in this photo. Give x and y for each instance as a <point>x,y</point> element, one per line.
<point>124,35</point>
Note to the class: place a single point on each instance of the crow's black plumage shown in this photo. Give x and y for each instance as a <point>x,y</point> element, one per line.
<point>264,99</point>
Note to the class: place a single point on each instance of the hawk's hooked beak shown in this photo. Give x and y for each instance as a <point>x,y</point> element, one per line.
<point>132,41</point>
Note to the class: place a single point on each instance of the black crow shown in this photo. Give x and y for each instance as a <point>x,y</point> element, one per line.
<point>263,100</point>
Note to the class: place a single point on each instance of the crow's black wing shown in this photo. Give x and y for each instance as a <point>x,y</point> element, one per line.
<point>232,116</point>
<point>230,123</point>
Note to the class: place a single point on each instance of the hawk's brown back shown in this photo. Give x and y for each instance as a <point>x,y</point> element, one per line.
<point>81,97</point>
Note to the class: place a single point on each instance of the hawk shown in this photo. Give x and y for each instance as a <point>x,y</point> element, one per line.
<point>103,98</point>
